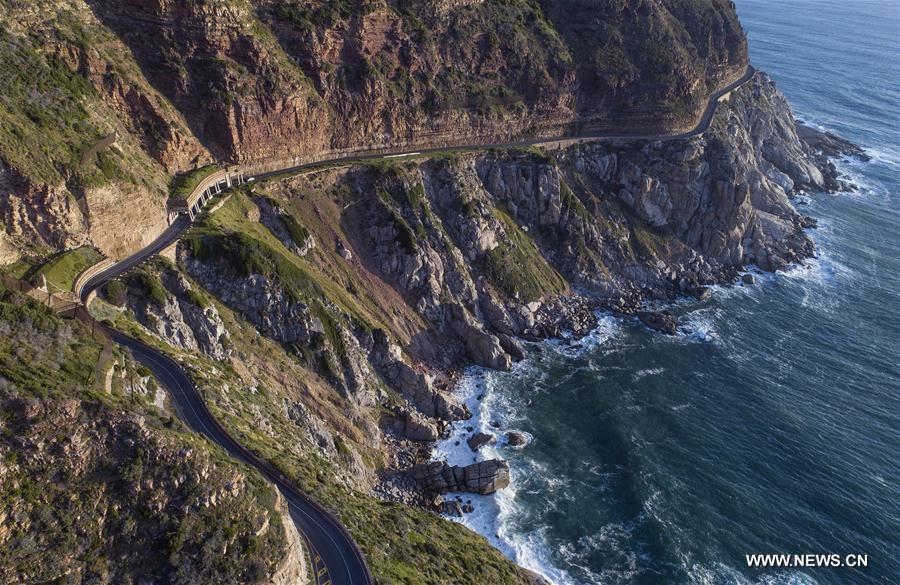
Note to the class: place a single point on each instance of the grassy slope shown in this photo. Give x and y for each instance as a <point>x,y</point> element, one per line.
<point>182,185</point>
<point>518,269</point>
<point>51,115</point>
<point>62,270</point>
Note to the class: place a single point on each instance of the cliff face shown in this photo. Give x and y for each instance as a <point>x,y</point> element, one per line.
<point>86,143</point>
<point>278,79</point>
<point>181,84</point>
<point>322,315</point>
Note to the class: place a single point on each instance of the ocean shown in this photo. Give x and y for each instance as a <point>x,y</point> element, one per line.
<point>773,424</point>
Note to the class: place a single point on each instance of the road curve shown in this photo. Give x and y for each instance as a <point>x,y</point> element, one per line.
<point>164,240</point>
<point>327,537</point>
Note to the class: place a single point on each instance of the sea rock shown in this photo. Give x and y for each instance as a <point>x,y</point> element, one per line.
<point>453,508</point>
<point>478,440</point>
<point>748,278</point>
<point>662,321</point>
<point>516,439</point>
<point>483,477</point>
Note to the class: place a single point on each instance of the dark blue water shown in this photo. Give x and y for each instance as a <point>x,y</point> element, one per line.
<point>775,426</point>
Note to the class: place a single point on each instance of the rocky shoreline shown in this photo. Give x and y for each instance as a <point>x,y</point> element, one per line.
<point>427,481</point>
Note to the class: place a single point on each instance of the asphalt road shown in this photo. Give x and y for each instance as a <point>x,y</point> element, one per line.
<point>341,560</point>
<point>172,233</point>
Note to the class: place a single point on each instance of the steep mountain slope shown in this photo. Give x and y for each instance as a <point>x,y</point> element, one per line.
<point>324,315</point>
<point>180,84</point>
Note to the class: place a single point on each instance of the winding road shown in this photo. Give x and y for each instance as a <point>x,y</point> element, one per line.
<point>337,560</point>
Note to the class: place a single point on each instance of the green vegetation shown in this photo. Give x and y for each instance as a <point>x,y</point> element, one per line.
<point>44,125</point>
<point>517,268</point>
<point>117,292</point>
<point>62,269</point>
<point>20,268</point>
<point>183,185</point>
<point>298,233</point>
<point>647,242</point>
<point>198,298</point>
<point>571,201</point>
<point>405,235</point>
<point>148,285</point>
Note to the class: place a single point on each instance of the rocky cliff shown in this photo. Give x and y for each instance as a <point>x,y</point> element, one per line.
<point>105,99</point>
<point>324,315</point>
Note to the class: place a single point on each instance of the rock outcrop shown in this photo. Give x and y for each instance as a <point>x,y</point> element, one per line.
<point>177,312</point>
<point>483,477</point>
<point>478,440</point>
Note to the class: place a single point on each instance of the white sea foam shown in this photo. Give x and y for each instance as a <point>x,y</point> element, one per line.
<point>638,375</point>
<point>494,516</point>
<point>699,327</point>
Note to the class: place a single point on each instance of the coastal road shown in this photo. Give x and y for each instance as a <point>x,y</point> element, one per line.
<point>336,560</point>
<point>180,225</point>
<point>164,240</point>
<point>702,126</point>
<point>328,539</point>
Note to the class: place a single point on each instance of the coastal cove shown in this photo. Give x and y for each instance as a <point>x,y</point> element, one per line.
<point>769,423</point>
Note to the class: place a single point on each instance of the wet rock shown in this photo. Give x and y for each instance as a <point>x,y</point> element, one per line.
<point>516,439</point>
<point>663,321</point>
<point>748,279</point>
<point>453,508</point>
<point>478,440</point>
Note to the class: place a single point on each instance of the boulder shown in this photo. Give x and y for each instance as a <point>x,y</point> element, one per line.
<point>663,321</point>
<point>486,477</point>
<point>483,477</point>
<point>511,346</point>
<point>416,427</point>
<point>748,279</point>
<point>478,440</point>
<point>516,439</point>
<point>484,348</point>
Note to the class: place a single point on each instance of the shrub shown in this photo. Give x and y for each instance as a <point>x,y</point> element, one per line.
<point>117,292</point>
